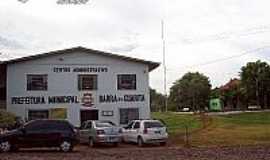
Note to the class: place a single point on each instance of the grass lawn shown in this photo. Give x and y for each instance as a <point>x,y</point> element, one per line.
<point>176,123</point>
<point>229,130</point>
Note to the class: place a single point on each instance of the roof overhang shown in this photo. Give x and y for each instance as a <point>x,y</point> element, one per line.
<point>152,65</point>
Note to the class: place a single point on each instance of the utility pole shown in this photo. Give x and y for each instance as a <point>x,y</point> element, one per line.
<point>257,88</point>
<point>164,65</point>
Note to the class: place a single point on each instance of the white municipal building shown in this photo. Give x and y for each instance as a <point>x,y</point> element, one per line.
<point>77,84</point>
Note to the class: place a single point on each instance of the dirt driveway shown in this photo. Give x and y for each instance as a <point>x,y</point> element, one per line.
<point>131,152</point>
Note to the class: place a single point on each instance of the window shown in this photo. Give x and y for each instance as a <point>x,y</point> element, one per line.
<point>37,82</point>
<point>38,114</point>
<point>89,125</point>
<point>83,125</point>
<point>137,125</point>
<point>128,114</point>
<point>153,125</point>
<point>86,125</point>
<point>103,124</point>
<point>87,82</point>
<point>129,126</point>
<point>126,82</point>
<point>58,125</point>
<point>58,113</point>
<point>33,125</point>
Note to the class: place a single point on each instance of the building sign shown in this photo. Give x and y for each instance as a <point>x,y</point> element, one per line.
<point>43,100</point>
<point>87,100</point>
<point>80,69</point>
<point>109,98</point>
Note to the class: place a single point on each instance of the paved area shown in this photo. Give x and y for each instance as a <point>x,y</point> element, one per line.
<point>131,152</point>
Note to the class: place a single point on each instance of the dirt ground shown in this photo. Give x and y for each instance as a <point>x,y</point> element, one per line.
<point>132,152</point>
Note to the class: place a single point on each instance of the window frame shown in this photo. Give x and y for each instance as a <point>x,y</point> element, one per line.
<point>34,111</point>
<point>29,86</point>
<point>123,88</point>
<point>80,82</point>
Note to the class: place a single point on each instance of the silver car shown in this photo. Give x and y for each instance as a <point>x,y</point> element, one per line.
<point>145,131</point>
<point>100,132</point>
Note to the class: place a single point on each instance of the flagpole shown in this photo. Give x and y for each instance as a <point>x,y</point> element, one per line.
<point>164,65</point>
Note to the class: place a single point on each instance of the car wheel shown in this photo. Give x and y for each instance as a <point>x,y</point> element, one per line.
<point>91,142</point>
<point>5,146</point>
<point>140,142</point>
<point>66,146</point>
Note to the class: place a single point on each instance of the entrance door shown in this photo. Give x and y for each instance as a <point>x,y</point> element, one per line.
<point>89,115</point>
<point>128,114</point>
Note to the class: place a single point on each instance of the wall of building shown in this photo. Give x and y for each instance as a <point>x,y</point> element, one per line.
<point>2,86</point>
<point>65,84</point>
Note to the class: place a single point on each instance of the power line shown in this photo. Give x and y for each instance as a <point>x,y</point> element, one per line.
<point>229,35</point>
<point>226,58</point>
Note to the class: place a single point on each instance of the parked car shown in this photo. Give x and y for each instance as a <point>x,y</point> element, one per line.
<point>145,132</point>
<point>40,133</point>
<point>100,132</point>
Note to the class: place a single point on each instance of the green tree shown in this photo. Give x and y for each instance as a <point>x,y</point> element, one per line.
<point>192,90</point>
<point>157,101</point>
<point>255,77</point>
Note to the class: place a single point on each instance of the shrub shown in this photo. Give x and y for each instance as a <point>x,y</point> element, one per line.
<point>7,119</point>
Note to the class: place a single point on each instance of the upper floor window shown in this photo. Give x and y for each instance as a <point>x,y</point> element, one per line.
<point>126,82</point>
<point>37,82</point>
<point>87,82</point>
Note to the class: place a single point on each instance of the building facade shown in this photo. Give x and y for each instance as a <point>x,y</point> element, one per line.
<point>79,84</point>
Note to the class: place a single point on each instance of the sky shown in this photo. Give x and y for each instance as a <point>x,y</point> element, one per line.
<point>214,37</point>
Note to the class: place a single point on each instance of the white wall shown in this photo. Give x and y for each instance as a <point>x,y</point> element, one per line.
<point>65,84</point>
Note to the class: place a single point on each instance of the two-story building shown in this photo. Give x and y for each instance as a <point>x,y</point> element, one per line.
<point>77,84</point>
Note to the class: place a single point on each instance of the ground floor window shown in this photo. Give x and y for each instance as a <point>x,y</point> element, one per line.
<point>58,113</point>
<point>38,114</point>
<point>128,114</point>
<point>89,115</point>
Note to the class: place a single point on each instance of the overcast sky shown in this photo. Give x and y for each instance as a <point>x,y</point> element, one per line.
<point>215,37</point>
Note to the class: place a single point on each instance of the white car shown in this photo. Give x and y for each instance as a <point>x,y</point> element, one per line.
<point>145,132</point>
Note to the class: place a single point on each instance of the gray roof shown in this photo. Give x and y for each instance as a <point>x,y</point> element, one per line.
<point>152,65</point>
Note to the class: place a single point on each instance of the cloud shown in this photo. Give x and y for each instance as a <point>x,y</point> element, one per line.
<point>124,48</point>
<point>196,32</point>
<point>7,43</point>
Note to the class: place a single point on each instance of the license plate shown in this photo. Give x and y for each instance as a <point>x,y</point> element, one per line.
<point>157,132</point>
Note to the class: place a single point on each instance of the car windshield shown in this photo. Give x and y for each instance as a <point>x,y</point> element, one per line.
<point>103,124</point>
<point>153,125</point>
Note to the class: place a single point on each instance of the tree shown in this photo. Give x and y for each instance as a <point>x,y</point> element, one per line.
<point>192,90</point>
<point>157,101</point>
<point>255,77</point>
